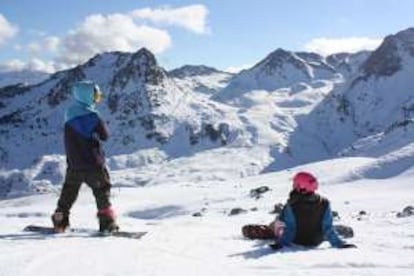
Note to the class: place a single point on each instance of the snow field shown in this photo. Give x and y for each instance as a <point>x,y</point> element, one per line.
<point>181,244</point>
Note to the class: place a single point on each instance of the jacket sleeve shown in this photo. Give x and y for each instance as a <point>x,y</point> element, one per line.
<point>289,232</point>
<point>328,229</point>
<point>102,130</point>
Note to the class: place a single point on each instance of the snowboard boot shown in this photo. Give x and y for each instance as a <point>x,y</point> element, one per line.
<point>107,222</point>
<point>60,221</point>
<point>258,232</point>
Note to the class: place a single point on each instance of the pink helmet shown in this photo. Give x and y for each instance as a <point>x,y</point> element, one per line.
<point>305,182</point>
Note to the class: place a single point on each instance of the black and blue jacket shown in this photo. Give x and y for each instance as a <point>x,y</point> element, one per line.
<point>84,130</point>
<point>308,221</point>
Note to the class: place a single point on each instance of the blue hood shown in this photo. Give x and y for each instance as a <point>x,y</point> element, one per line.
<point>83,92</point>
<point>84,103</point>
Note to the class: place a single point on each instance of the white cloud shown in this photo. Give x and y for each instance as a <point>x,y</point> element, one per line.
<point>12,65</point>
<point>192,17</point>
<point>49,43</point>
<point>36,32</point>
<point>34,47</point>
<point>34,64</point>
<point>100,33</point>
<point>18,47</point>
<point>7,30</point>
<point>326,46</point>
<point>237,69</point>
<point>115,32</point>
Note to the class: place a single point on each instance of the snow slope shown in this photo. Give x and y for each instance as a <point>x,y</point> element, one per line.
<point>181,244</point>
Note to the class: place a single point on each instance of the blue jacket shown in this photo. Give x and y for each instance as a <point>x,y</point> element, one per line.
<point>84,130</point>
<point>308,221</point>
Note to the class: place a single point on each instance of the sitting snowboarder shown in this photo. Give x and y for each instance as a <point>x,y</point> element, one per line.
<point>84,131</point>
<point>305,220</point>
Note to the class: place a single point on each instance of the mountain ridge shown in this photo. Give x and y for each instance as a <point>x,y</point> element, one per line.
<point>298,107</point>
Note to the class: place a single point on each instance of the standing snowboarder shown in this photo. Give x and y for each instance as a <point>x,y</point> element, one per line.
<point>84,131</point>
<point>305,220</point>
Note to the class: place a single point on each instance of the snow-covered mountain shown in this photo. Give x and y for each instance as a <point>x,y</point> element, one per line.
<point>143,107</point>
<point>325,105</point>
<point>377,99</point>
<point>279,69</point>
<point>289,109</point>
<point>200,78</point>
<point>24,77</point>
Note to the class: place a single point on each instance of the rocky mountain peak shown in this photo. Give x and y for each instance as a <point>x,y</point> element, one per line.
<point>102,58</point>
<point>279,52</point>
<point>143,57</point>
<point>279,58</point>
<point>387,59</point>
<point>406,38</point>
<point>192,70</point>
<point>141,67</point>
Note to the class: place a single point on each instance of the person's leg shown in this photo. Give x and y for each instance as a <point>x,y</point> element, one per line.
<point>68,196</point>
<point>99,182</point>
<point>258,231</point>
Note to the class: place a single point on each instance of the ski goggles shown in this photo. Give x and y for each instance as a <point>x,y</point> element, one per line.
<point>97,94</point>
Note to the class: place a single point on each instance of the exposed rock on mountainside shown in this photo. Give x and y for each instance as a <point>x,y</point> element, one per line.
<point>292,108</point>
<point>192,71</point>
<point>200,78</point>
<point>143,106</point>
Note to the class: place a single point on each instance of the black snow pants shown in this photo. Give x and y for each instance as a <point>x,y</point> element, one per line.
<point>98,180</point>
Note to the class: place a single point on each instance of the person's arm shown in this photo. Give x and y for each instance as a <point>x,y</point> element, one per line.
<point>102,130</point>
<point>328,229</point>
<point>289,231</point>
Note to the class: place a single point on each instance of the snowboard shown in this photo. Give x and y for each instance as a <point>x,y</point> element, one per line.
<point>47,230</point>
<point>265,232</point>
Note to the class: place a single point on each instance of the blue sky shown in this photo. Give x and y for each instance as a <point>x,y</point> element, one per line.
<point>50,35</point>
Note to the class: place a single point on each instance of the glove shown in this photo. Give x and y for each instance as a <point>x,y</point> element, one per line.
<point>347,245</point>
<point>276,246</point>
